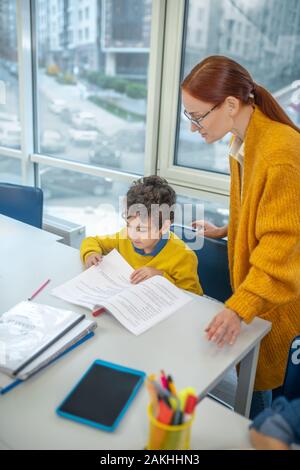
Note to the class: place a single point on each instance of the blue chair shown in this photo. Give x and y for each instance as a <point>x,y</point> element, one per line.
<point>213,269</point>
<point>24,203</point>
<point>291,385</point>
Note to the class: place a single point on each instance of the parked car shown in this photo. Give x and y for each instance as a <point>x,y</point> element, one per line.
<point>103,154</point>
<point>8,117</point>
<point>57,182</point>
<point>10,134</point>
<point>84,120</point>
<point>52,141</point>
<point>129,140</point>
<point>58,106</point>
<point>13,69</point>
<point>83,137</point>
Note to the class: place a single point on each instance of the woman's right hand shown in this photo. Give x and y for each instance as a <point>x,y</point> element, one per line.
<point>93,259</point>
<point>208,229</point>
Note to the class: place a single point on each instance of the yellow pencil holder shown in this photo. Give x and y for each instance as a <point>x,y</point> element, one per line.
<point>166,437</point>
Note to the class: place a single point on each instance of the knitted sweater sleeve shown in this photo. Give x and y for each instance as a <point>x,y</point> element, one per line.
<point>274,275</point>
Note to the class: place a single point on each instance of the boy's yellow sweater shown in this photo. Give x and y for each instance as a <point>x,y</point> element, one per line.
<point>177,261</point>
<point>264,240</point>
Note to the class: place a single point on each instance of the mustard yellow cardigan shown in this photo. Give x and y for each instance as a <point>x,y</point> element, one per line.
<point>264,240</point>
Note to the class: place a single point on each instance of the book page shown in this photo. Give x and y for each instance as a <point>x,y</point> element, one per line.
<point>146,304</point>
<point>98,283</point>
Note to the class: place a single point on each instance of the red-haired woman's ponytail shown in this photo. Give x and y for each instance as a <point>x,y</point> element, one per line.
<point>270,107</point>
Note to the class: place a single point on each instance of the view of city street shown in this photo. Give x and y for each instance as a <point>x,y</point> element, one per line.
<point>91,90</point>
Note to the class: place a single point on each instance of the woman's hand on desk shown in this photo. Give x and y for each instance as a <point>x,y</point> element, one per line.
<point>224,328</point>
<point>209,230</point>
<point>144,273</point>
<point>93,259</point>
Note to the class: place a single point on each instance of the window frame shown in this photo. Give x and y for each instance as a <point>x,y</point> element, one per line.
<point>215,183</point>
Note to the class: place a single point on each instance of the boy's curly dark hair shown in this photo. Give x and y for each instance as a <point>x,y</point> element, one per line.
<point>149,191</point>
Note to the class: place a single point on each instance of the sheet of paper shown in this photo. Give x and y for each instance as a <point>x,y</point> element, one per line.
<point>146,304</point>
<point>98,283</point>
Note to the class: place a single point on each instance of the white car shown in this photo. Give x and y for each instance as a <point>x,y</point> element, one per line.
<point>7,117</point>
<point>84,137</point>
<point>52,141</point>
<point>58,106</point>
<point>84,120</point>
<point>10,134</point>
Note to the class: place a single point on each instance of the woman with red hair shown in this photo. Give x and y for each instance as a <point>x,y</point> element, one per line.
<point>220,96</point>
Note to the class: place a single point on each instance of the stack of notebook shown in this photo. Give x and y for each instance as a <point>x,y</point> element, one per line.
<point>34,335</point>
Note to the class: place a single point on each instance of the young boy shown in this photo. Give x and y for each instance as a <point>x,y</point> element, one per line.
<point>146,243</point>
<point>278,427</point>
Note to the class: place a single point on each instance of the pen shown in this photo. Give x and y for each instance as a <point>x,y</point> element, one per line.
<point>165,413</point>
<point>162,392</point>
<point>190,406</point>
<point>163,380</point>
<point>39,290</point>
<point>154,398</point>
<point>98,312</point>
<point>171,385</point>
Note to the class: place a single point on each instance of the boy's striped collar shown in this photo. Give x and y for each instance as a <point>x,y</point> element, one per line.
<point>157,249</point>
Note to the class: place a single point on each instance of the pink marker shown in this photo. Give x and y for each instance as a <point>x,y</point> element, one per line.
<point>39,289</point>
<point>164,380</point>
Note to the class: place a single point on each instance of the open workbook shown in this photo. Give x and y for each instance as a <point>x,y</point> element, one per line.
<point>138,307</point>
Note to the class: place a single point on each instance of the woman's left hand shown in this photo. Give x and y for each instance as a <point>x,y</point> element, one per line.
<point>224,328</point>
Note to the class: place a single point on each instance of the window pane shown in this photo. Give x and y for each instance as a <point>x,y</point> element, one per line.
<point>92,201</point>
<point>10,130</point>
<point>261,35</point>
<point>93,61</point>
<point>199,208</point>
<point>10,170</point>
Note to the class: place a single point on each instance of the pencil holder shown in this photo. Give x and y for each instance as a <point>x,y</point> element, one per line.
<point>167,437</point>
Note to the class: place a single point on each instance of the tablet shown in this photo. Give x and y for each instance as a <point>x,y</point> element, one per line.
<point>102,396</point>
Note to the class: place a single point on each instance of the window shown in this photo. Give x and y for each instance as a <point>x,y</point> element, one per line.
<point>92,94</point>
<point>197,208</point>
<point>272,60</point>
<point>127,25</point>
<point>91,107</point>
<point>10,170</point>
<point>10,129</point>
<point>88,200</point>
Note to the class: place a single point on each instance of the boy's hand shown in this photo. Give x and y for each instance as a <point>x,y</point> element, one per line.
<point>262,442</point>
<point>224,327</point>
<point>93,259</point>
<point>144,273</point>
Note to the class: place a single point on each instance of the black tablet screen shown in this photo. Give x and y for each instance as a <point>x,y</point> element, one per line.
<point>101,395</point>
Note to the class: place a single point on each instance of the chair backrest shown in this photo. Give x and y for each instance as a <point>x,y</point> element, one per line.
<point>291,385</point>
<point>212,257</point>
<point>24,203</point>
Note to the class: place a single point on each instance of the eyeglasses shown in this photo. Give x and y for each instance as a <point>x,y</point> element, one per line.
<point>197,122</point>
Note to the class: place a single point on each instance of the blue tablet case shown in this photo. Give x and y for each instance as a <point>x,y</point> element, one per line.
<point>140,379</point>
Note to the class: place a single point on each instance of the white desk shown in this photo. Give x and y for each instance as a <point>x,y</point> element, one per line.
<point>218,428</point>
<point>14,230</point>
<point>178,345</point>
